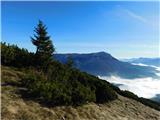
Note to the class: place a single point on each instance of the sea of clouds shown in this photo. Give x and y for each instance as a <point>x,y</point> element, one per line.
<point>143,87</point>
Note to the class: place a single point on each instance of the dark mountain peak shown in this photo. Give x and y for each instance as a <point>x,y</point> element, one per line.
<point>101,53</point>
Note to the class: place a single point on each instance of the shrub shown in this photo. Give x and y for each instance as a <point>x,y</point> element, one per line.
<point>129,94</point>
<point>66,87</point>
<point>57,92</point>
<point>82,94</point>
<point>104,93</point>
<point>12,55</point>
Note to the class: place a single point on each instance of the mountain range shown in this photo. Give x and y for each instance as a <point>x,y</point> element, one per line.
<point>104,64</point>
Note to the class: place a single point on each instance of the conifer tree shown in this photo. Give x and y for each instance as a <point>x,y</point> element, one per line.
<point>69,62</point>
<point>45,48</point>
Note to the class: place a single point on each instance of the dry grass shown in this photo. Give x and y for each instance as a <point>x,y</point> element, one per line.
<point>16,108</point>
<point>10,75</point>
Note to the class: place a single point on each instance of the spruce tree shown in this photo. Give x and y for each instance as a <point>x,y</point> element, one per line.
<point>45,48</point>
<point>69,62</point>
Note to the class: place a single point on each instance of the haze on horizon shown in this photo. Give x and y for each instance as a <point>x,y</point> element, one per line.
<point>123,29</point>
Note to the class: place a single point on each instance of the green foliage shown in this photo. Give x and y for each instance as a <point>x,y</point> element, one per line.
<point>82,94</point>
<point>69,62</point>
<point>104,93</point>
<point>57,93</point>
<point>11,55</point>
<point>129,94</point>
<point>45,48</point>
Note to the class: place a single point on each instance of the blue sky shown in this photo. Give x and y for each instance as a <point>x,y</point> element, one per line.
<point>123,29</point>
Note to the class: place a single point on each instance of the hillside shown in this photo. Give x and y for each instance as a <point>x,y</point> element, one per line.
<point>103,64</point>
<point>15,107</point>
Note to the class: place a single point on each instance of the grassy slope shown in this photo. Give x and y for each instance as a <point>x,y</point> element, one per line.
<point>14,107</point>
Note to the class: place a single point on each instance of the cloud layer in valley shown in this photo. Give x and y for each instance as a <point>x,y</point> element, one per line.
<point>143,87</point>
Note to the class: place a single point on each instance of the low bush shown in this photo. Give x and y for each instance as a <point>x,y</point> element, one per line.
<point>12,55</point>
<point>104,93</point>
<point>129,94</point>
<point>66,86</point>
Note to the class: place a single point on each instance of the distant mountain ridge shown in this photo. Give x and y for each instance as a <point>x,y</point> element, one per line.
<point>104,64</point>
<point>147,61</point>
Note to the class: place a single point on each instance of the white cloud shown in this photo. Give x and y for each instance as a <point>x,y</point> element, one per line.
<point>135,15</point>
<point>122,11</point>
